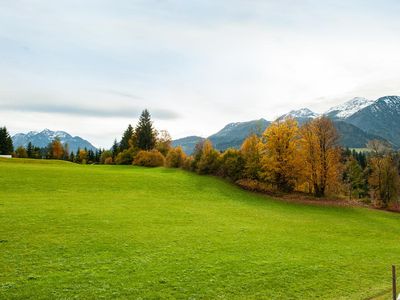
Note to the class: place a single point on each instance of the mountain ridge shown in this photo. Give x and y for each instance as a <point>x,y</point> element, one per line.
<point>46,136</point>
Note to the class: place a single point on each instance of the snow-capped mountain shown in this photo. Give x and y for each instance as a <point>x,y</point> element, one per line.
<point>43,138</point>
<point>302,115</point>
<point>348,108</point>
<point>381,118</point>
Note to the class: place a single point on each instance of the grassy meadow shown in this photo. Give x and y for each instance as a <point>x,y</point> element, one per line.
<point>93,232</point>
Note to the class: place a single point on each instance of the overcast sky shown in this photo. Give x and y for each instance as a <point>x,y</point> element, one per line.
<point>90,67</point>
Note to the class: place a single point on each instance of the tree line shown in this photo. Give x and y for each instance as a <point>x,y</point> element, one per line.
<point>286,158</point>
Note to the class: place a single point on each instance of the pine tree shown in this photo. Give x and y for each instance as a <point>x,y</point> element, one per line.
<point>29,150</point>
<point>124,144</point>
<point>145,134</point>
<point>6,144</point>
<point>115,149</point>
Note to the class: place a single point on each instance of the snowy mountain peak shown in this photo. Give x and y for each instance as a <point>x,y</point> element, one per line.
<point>46,136</point>
<point>303,113</point>
<point>348,108</point>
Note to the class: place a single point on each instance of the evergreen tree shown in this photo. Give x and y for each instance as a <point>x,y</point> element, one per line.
<point>6,144</point>
<point>124,144</point>
<point>115,149</point>
<point>145,133</point>
<point>29,150</point>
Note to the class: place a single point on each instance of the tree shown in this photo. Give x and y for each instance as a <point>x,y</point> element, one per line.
<point>320,155</point>
<point>208,163</point>
<point>6,144</point>
<point>29,150</point>
<point>105,155</point>
<point>384,174</point>
<point>251,152</point>
<point>175,158</point>
<point>126,137</point>
<point>354,178</point>
<point>280,164</point>
<point>145,135</point>
<point>115,148</point>
<point>56,149</point>
<point>231,164</point>
<point>21,152</point>
<point>163,142</point>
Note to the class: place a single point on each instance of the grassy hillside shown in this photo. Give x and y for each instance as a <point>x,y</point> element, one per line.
<point>111,231</point>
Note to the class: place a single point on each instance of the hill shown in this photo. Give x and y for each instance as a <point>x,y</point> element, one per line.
<point>187,143</point>
<point>74,231</point>
<point>233,134</point>
<point>43,138</point>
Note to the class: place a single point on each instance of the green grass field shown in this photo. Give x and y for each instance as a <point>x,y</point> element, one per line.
<point>94,232</point>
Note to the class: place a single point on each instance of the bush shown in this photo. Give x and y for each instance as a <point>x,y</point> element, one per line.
<point>152,158</point>
<point>231,164</point>
<point>175,158</point>
<point>125,157</point>
<point>108,161</point>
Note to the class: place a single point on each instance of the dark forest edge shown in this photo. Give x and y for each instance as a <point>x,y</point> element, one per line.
<point>287,159</point>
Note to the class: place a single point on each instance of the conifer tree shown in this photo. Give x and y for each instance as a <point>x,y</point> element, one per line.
<point>6,144</point>
<point>145,133</point>
<point>124,144</point>
<point>29,150</point>
<point>115,149</point>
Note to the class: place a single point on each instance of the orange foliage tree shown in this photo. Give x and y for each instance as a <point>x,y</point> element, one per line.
<point>320,155</point>
<point>280,157</point>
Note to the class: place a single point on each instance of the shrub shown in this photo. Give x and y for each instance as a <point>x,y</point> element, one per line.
<point>175,158</point>
<point>125,157</point>
<point>151,158</point>
<point>108,161</point>
<point>231,164</point>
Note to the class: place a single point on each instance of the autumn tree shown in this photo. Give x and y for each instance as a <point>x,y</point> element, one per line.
<point>105,155</point>
<point>320,155</point>
<point>384,174</point>
<point>145,134</point>
<point>280,156</point>
<point>208,163</point>
<point>163,142</point>
<point>175,158</point>
<point>251,153</point>
<point>56,149</point>
<point>6,144</point>
<point>21,152</point>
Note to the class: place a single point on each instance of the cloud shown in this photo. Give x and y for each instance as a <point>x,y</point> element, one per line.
<point>98,112</point>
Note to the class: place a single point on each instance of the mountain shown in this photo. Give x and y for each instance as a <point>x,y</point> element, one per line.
<point>233,134</point>
<point>302,115</point>
<point>188,143</point>
<point>381,118</point>
<point>347,109</point>
<point>43,138</point>
<point>352,136</point>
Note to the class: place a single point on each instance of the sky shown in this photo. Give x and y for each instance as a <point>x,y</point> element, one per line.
<point>90,67</point>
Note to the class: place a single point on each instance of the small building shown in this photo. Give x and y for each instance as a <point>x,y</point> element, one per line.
<point>5,156</point>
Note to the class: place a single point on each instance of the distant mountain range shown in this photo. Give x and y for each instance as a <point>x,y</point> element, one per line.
<point>43,138</point>
<point>357,121</point>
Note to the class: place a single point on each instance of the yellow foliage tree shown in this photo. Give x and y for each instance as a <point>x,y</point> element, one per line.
<point>320,155</point>
<point>251,151</point>
<point>280,157</point>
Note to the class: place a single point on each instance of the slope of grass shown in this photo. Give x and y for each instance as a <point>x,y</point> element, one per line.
<point>124,232</point>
